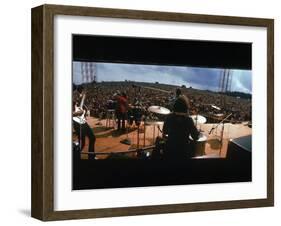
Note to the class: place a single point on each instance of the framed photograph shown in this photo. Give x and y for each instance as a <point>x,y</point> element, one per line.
<point>141,112</point>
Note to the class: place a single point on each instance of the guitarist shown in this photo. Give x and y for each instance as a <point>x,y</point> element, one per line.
<point>81,127</point>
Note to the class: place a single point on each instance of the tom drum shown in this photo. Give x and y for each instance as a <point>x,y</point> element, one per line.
<point>199,145</point>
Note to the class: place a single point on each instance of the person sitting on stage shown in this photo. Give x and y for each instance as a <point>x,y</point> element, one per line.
<point>174,97</point>
<point>177,128</point>
<point>83,130</point>
<point>180,95</point>
<point>121,109</point>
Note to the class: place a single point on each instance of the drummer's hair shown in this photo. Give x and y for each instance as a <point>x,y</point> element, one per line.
<point>178,92</point>
<point>124,94</point>
<point>180,106</point>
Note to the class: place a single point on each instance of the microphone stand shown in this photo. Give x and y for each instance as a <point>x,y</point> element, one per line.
<point>222,121</point>
<point>222,131</point>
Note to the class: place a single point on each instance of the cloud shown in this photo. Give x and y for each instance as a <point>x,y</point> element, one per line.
<point>200,78</point>
<point>242,81</point>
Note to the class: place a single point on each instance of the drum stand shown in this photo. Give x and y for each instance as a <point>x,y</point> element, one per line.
<point>198,123</point>
<point>155,125</point>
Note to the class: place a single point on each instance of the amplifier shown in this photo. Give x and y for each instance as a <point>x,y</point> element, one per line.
<point>240,148</point>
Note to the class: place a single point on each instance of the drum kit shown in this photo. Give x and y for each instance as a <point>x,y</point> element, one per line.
<point>152,117</point>
<point>153,120</point>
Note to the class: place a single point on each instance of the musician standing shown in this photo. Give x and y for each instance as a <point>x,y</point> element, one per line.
<point>83,130</point>
<point>178,126</point>
<point>121,109</point>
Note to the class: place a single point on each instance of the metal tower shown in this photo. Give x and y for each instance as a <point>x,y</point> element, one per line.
<point>88,72</point>
<point>225,84</point>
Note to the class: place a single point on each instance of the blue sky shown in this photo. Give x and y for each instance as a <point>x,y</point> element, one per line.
<point>199,78</point>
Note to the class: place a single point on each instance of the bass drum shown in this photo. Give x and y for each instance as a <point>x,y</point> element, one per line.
<point>199,145</point>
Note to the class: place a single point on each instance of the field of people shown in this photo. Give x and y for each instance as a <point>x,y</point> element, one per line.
<point>210,104</point>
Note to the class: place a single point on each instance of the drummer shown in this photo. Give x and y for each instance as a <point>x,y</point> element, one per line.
<point>178,126</point>
<point>182,97</point>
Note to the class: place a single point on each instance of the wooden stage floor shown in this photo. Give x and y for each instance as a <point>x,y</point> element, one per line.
<point>108,139</point>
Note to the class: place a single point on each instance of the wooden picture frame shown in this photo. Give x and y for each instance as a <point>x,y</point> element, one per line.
<point>43,117</point>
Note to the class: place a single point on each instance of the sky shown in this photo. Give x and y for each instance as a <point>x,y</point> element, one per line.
<point>196,77</point>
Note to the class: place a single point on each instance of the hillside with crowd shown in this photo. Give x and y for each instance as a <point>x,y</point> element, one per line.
<point>100,96</point>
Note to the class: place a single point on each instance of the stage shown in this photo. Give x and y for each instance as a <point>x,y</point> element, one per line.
<point>109,139</point>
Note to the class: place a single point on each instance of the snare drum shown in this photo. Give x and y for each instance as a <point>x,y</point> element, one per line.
<point>199,145</point>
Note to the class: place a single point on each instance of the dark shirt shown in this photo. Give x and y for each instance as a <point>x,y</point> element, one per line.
<point>178,128</point>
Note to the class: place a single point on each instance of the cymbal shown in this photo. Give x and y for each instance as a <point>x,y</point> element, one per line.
<point>159,110</point>
<point>216,107</point>
<point>154,123</point>
<point>199,119</point>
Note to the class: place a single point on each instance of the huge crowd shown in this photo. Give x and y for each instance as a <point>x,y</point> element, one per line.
<point>99,96</point>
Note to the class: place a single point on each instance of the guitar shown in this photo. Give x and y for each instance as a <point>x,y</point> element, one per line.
<point>80,112</point>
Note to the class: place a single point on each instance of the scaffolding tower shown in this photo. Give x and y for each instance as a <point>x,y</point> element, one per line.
<point>225,84</point>
<point>89,72</point>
